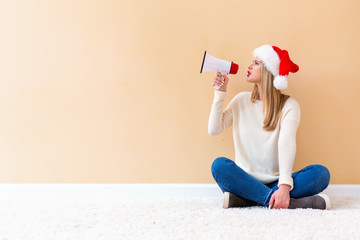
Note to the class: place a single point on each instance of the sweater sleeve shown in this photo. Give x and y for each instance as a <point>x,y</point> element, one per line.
<point>219,119</point>
<point>287,144</point>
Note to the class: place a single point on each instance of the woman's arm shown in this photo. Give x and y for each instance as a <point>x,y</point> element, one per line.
<point>287,144</point>
<point>286,151</point>
<point>219,119</point>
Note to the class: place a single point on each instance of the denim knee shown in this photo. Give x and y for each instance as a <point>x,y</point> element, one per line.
<point>323,175</point>
<point>218,164</point>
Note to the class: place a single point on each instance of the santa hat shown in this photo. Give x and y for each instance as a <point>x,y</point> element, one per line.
<point>277,62</point>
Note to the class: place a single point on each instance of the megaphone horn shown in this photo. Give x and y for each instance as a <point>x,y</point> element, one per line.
<point>211,63</point>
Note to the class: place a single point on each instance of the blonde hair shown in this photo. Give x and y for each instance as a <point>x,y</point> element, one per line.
<point>273,99</point>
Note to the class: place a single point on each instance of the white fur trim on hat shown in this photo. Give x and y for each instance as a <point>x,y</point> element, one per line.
<point>280,82</point>
<point>270,58</point>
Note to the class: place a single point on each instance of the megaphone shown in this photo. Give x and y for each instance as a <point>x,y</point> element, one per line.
<point>211,63</point>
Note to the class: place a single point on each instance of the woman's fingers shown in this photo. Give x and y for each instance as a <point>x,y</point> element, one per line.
<point>218,74</point>
<point>218,81</point>
<point>276,202</point>
<point>221,81</point>
<point>272,201</point>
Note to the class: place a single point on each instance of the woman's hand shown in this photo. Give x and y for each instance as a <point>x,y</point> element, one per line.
<point>281,197</point>
<point>218,80</point>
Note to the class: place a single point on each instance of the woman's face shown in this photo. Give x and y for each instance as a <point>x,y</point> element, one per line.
<point>254,71</point>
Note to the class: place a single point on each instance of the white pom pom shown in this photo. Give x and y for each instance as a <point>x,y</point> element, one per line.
<point>280,82</point>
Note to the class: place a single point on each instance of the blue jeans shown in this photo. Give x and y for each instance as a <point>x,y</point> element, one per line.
<point>230,177</point>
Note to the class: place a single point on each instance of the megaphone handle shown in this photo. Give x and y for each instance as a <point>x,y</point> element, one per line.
<point>217,87</point>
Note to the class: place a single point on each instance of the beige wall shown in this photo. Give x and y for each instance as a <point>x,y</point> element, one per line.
<point>110,91</point>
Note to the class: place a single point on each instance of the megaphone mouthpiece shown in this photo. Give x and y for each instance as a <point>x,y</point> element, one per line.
<point>234,68</point>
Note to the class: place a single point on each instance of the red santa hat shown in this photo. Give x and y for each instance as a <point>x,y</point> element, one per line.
<point>277,62</point>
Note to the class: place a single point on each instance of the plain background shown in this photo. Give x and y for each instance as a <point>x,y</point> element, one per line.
<point>110,91</point>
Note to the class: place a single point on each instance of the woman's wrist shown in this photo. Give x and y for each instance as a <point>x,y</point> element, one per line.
<point>285,187</point>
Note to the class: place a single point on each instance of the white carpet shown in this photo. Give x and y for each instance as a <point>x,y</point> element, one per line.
<point>198,218</point>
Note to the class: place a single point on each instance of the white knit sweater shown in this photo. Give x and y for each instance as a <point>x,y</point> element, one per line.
<point>267,156</point>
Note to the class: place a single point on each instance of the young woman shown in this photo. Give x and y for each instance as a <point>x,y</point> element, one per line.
<point>264,131</point>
